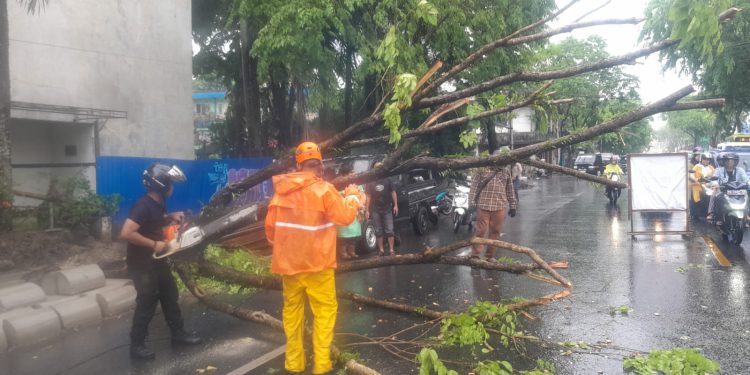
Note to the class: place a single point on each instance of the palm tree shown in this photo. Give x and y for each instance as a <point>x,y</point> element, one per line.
<point>6,180</point>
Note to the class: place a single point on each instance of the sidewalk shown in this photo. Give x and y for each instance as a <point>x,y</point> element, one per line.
<point>103,348</point>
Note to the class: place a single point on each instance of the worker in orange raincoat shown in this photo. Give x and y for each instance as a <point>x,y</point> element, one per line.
<point>301,225</point>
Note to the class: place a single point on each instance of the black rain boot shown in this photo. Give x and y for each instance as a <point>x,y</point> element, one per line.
<point>140,351</point>
<point>184,338</point>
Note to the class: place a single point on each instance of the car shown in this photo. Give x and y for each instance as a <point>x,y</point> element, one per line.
<point>416,191</point>
<point>585,163</point>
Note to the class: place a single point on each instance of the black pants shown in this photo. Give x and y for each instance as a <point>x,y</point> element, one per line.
<point>154,284</point>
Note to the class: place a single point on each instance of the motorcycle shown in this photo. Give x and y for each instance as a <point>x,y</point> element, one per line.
<point>730,211</point>
<point>444,203</point>
<point>613,193</point>
<point>461,213</point>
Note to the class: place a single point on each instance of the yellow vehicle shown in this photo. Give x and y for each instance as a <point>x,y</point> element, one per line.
<point>739,138</point>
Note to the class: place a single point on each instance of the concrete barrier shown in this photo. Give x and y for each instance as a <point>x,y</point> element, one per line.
<point>3,342</point>
<point>116,301</point>
<point>39,325</point>
<point>49,283</point>
<point>80,279</point>
<point>77,312</point>
<point>7,315</point>
<point>20,295</point>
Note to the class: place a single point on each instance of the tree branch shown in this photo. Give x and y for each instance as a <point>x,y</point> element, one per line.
<point>573,172</point>
<point>455,122</point>
<point>543,76</point>
<point>439,164</point>
<point>512,40</point>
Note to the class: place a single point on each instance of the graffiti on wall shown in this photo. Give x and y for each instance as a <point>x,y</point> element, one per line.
<point>222,176</point>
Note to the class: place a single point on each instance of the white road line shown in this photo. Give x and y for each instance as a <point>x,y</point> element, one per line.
<point>265,358</point>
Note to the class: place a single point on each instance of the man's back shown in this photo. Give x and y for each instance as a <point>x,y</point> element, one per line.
<point>301,223</point>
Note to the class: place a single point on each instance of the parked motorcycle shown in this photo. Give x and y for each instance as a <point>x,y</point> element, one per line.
<point>461,213</point>
<point>730,211</point>
<point>613,193</point>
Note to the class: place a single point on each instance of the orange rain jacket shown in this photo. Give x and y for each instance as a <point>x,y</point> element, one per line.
<point>301,223</point>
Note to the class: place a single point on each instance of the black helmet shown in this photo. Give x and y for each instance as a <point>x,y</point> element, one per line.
<point>697,149</point>
<point>729,156</point>
<point>160,177</point>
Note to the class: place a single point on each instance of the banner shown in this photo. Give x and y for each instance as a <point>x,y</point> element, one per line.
<point>658,181</point>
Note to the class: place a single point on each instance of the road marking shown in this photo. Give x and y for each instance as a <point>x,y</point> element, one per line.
<point>265,358</point>
<point>717,252</point>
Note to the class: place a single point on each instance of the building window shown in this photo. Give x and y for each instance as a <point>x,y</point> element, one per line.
<point>71,150</point>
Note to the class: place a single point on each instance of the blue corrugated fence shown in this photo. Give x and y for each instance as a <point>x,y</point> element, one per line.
<point>123,175</point>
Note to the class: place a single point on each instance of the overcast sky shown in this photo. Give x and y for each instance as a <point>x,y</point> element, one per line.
<point>622,39</point>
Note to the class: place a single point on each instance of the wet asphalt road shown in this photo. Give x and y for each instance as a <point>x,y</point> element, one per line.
<point>680,295</point>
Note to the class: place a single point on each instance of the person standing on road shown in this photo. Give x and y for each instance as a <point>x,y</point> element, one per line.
<point>152,278</point>
<point>382,207</point>
<point>493,196</point>
<point>348,235</point>
<point>301,225</point>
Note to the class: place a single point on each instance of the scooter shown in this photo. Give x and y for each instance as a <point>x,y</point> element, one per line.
<point>730,211</point>
<point>613,193</point>
<point>461,212</point>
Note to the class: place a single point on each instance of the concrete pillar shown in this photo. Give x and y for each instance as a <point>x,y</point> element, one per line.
<point>20,295</point>
<point>39,325</point>
<point>80,279</point>
<point>116,301</point>
<point>77,312</point>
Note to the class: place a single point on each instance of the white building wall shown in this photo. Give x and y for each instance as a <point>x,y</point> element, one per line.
<point>126,55</point>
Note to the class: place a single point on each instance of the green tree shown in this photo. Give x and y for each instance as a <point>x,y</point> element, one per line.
<point>713,49</point>
<point>597,96</point>
<point>340,59</point>
<point>697,125</point>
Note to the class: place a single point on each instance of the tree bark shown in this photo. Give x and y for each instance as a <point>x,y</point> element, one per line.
<point>6,171</point>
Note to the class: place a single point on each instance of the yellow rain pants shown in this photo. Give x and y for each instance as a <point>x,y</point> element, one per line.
<point>320,288</point>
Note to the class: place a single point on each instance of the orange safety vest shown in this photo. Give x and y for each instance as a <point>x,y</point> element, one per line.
<point>301,223</point>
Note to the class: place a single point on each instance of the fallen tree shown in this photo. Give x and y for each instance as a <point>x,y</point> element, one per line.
<point>398,161</point>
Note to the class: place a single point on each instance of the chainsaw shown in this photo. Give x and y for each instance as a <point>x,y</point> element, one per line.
<point>181,237</point>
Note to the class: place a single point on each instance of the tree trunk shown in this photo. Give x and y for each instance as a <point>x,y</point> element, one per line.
<point>489,127</point>
<point>279,120</point>
<point>6,180</point>
<point>250,92</point>
<point>348,89</point>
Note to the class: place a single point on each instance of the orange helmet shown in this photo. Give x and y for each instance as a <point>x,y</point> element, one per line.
<point>307,151</point>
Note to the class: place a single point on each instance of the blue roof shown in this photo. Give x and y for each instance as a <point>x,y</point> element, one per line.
<point>209,95</point>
